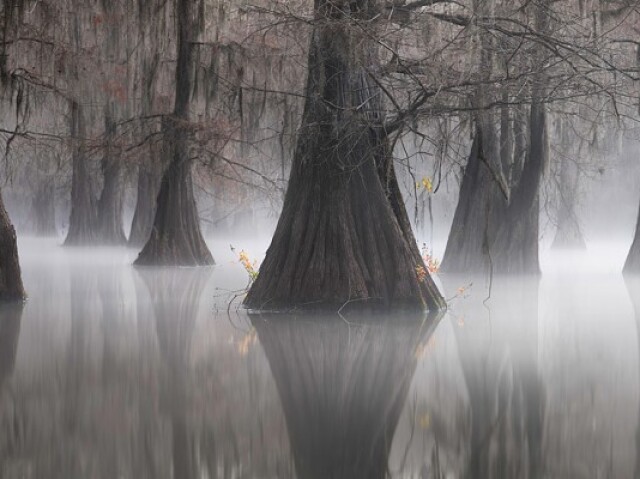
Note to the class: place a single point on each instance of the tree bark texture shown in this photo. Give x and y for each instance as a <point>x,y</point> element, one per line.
<point>142,223</point>
<point>176,237</point>
<point>515,249</point>
<point>150,169</point>
<point>11,287</point>
<point>343,236</point>
<point>111,203</point>
<point>477,216</point>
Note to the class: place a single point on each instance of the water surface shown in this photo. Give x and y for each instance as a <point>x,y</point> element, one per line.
<point>111,371</point>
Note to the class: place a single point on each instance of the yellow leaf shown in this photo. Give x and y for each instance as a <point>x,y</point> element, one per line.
<point>424,420</point>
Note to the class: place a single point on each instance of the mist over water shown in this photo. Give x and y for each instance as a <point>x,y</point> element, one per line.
<point>116,371</point>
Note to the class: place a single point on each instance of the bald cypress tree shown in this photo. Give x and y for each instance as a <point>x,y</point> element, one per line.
<point>343,235</point>
<point>176,238</point>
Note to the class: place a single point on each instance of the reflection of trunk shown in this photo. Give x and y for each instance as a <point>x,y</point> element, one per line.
<point>83,284</point>
<point>633,286</point>
<point>110,293</point>
<point>83,219</point>
<point>343,234</point>
<point>568,234</point>
<point>111,204</point>
<point>10,317</point>
<point>176,238</point>
<point>632,265</point>
<point>43,209</point>
<point>480,207</point>
<point>10,278</point>
<point>499,359</point>
<point>175,294</point>
<point>342,388</point>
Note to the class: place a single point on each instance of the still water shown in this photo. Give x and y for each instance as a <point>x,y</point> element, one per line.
<point>110,371</point>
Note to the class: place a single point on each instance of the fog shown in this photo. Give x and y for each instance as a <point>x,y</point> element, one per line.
<point>134,372</point>
<point>335,239</point>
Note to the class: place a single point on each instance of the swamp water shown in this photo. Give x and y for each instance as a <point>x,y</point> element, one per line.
<point>110,371</point>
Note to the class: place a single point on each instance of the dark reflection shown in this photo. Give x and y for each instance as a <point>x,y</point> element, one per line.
<point>176,297</point>
<point>633,286</point>
<point>343,386</point>
<point>10,316</point>
<point>78,374</point>
<point>498,346</point>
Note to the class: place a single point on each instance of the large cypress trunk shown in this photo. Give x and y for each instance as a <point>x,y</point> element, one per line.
<point>478,213</point>
<point>83,218</point>
<point>481,203</point>
<point>111,203</point>
<point>342,388</point>
<point>568,235</point>
<point>343,235</point>
<point>176,238</point>
<point>142,222</point>
<point>43,209</point>
<point>632,264</point>
<point>515,249</point>
<point>11,287</point>
<point>150,169</point>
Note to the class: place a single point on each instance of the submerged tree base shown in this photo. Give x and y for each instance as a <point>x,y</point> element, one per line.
<point>11,288</point>
<point>338,242</point>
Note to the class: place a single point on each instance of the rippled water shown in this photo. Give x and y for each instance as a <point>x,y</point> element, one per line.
<point>111,371</point>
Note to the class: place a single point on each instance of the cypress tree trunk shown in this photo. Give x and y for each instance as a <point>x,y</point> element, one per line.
<point>83,218</point>
<point>342,389</point>
<point>632,264</point>
<point>142,223</point>
<point>343,235</point>
<point>568,234</point>
<point>150,169</point>
<point>176,238</point>
<point>515,249</point>
<point>111,203</point>
<point>477,216</point>
<point>481,203</point>
<point>11,287</point>
<point>43,209</point>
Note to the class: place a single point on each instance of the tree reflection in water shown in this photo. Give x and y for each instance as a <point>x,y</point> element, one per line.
<point>343,385</point>
<point>10,318</point>
<point>498,348</point>
<point>175,295</point>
